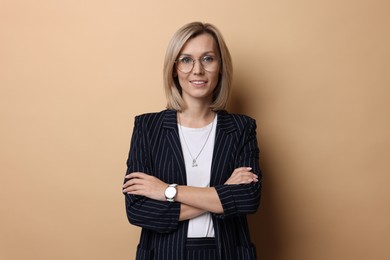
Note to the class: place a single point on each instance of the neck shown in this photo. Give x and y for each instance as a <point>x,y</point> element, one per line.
<point>196,116</point>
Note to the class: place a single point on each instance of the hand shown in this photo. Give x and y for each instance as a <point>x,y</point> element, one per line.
<point>242,175</point>
<point>143,184</point>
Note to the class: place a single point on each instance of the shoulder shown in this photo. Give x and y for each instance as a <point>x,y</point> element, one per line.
<point>154,118</point>
<point>239,120</point>
<point>151,115</point>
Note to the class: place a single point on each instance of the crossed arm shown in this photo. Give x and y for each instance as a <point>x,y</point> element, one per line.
<point>194,201</point>
<point>147,207</point>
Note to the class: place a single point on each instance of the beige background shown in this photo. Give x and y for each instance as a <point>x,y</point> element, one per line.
<point>315,75</point>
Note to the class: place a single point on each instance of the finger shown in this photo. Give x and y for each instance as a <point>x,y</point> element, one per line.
<point>133,188</point>
<point>136,175</point>
<point>132,175</point>
<point>133,181</point>
<point>129,183</point>
<point>135,193</point>
<point>242,169</point>
<point>249,180</point>
<point>246,177</point>
<point>255,178</point>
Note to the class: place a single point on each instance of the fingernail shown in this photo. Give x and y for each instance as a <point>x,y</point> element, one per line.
<point>249,168</point>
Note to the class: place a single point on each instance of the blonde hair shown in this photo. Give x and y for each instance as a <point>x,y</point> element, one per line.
<point>171,83</point>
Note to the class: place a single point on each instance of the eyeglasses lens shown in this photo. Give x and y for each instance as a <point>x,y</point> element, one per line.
<point>186,65</point>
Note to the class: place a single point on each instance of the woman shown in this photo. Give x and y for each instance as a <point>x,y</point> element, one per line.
<point>193,170</point>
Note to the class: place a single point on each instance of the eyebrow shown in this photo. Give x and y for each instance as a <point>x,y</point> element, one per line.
<point>203,54</point>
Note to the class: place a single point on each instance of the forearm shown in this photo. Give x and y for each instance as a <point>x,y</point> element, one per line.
<point>160,216</point>
<point>189,212</point>
<point>205,199</point>
<point>239,199</point>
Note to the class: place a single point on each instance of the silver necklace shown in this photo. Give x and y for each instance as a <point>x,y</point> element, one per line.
<point>194,162</point>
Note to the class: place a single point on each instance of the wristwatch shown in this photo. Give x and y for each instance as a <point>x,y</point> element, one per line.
<point>170,192</point>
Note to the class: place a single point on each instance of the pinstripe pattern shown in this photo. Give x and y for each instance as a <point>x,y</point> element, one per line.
<point>156,150</point>
<point>201,249</point>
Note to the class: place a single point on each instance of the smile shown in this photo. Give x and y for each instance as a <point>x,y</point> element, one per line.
<point>198,82</point>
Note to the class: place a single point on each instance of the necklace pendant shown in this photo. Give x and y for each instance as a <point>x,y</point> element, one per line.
<point>194,164</point>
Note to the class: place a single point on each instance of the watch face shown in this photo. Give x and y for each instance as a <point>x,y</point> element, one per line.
<point>170,192</point>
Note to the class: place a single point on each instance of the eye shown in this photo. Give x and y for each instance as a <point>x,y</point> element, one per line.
<point>186,60</point>
<point>208,59</point>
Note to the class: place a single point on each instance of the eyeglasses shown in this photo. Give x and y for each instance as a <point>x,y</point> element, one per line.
<point>186,64</point>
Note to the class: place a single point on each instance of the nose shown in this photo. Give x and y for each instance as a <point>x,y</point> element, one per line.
<point>198,67</point>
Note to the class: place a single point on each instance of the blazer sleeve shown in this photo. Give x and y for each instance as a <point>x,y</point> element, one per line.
<point>242,199</point>
<point>160,216</point>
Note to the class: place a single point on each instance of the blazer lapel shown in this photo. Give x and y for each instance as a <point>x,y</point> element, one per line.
<point>222,149</point>
<point>173,140</point>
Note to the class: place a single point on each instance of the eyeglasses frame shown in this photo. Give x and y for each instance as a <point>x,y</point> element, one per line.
<point>193,63</point>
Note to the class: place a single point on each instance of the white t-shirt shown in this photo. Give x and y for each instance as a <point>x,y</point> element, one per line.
<point>199,176</point>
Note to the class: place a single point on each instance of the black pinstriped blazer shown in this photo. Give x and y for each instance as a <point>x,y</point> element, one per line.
<point>155,149</point>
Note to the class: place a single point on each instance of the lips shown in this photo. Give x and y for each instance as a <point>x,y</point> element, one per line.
<point>198,82</point>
